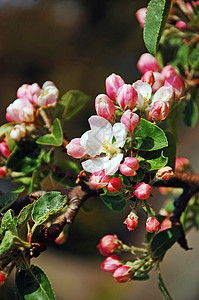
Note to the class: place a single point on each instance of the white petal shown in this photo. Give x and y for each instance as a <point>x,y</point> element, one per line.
<point>144,93</point>
<point>164,94</point>
<point>91,143</point>
<point>114,163</point>
<point>96,164</point>
<point>102,128</point>
<point>119,132</point>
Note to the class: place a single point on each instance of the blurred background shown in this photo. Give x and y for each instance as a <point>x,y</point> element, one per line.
<point>77,44</point>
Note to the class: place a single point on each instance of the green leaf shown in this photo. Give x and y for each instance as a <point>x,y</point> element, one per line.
<point>156,17</point>
<point>150,137</point>
<point>71,102</point>
<point>170,150</point>
<point>49,204</point>
<point>154,159</point>
<point>53,139</point>
<point>190,113</point>
<point>116,203</point>
<point>182,56</point>
<point>26,157</point>
<point>35,182</point>
<point>6,243</point>
<point>7,199</point>
<point>33,284</point>
<point>163,240</point>
<point>6,128</point>
<point>8,223</point>
<point>194,58</point>
<point>24,215</point>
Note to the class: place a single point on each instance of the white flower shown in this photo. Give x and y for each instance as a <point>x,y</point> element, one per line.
<point>98,143</point>
<point>164,94</point>
<point>144,94</point>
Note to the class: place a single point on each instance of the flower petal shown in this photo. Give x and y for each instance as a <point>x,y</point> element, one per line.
<point>114,163</point>
<point>164,94</point>
<point>144,93</point>
<point>101,127</point>
<point>96,164</point>
<point>91,143</point>
<point>120,133</point>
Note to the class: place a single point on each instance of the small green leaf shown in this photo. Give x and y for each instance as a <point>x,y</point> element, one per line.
<point>163,240</point>
<point>194,58</point>
<point>24,215</point>
<point>71,102</point>
<point>35,182</point>
<point>7,199</point>
<point>154,159</point>
<point>33,284</point>
<point>53,139</point>
<point>190,113</point>
<point>170,150</point>
<point>49,204</point>
<point>8,223</point>
<point>150,137</point>
<point>156,17</point>
<point>6,128</point>
<point>6,243</point>
<point>116,203</point>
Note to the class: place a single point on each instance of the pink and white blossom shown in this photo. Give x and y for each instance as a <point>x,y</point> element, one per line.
<point>141,15</point>
<point>131,221</point>
<point>21,110</point>
<point>5,150</point>
<point>104,107</point>
<point>167,71</point>
<point>142,190</point>
<point>178,84</point>
<point>148,77</point>
<point>127,96</point>
<point>159,111</point>
<point>109,244</point>
<point>48,96</point>
<point>111,263</point>
<point>164,173</point>
<point>114,185</point>
<point>163,94</point>
<point>130,120</point>
<point>99,180</point>
<point>152,225</point>
<point>18,132</point>
<point>75,149</point>
<point>122,274</point>
<point>147,62</point>
<point>113,83</point>
<point>29,91</point>
<point>144,92</point>
<point>158,82</point>
<point>98,143</point>
<point>129,166</point>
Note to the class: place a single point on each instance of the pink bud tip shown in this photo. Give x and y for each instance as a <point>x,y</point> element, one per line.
<point>164,173</point>
<point>131,221</point>
<point>130,120</point>
<point>142,191</point>
<point>167,71</point>
<point>111,263</point>
<point>148,77</point>
<point>122,274</point>
<point>127,96</point>
<point>75,149</point>
<point>181,25</point>
<point>108,245</point>
<point>5,150</point>
<point>159,111</point>
<point>147,62</point>
<point>129,166</point>
<point>99,180</point>
<point>114,185</point>
<point>152,225</point>
<point>105,107</point>
<point>178,84</point>
<point>3,171</point>
<point>113,83</point>
<point>141,15</point>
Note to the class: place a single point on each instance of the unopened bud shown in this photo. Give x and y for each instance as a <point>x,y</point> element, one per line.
<point>130,120</point>
<point>159,111</point>
<point>152,225</point>
<point>178,84</point>
<point>142,191</point>
<point>114,185</point>
<point>181,164</point>
<point>166,224</point>
<point>75,149</point>
<point>109,244</point>
<point>127,96</point>
<point>131,221</point>
<point>181,25</point>
<point>167,71</point>
<point>2,279</point>
<point>111,263</point>
<point>5,150</point>
<point>164,173</point>
<point>141,16</point>
<point>122,274</point>
<point>147,62</point>
<point>99,180</point>
<point>3,171</point>
<point>21,110</point>
<point>113,83</point>
<point>18,132</point>
<point>105,107</point>
<point>148,77</point>
<point>129,166</point>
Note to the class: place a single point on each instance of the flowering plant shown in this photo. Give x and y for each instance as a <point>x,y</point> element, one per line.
<point>129,151</point>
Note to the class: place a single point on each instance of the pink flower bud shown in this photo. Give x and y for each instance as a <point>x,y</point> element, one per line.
<point>114,185</point>
<point>159,111</point>
<point>109,244</point>
<point>164,173</point>
<point>105,107</point>
<point>61,238</point>
<point>99,180</point>
<point>3,171</point>
<point>167,71</point>
<point>166,224</point>
<point>21,110</point>
<point>189,8</point>
<point>152,225</point>
<point>131,221</point>
<point>129,166</point>
<point>113,83</point>
<point>130,120</point>
<point>111,263</point>
<point>147,62</point>
<point>159,81</point>
<point>148,77</point>
<point>2,279</point>
<point>5,150</point>
<point>181,164</point>
<point>48,96</point>
<point>181,25</point>
<point>75,149</point>
<point>142,191</point>
<point>178,84</point>
<point>18,132</point>
<point>122,274</point>
<point>29,92</point>
<point>127,96</point>
<point>141,15</point>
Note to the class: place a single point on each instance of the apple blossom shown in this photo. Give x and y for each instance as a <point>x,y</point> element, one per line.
<point>130,120</point>
<point>131,221</point>
<point>147,62</point>
<point>122,274</point>
<point>109,244</point>
<point>144,94</point>
<point>98,143</point>
<point>164,94</point>
<point>18,132</point>
<point>164,173</point>
<point>129,166</point>
<point>29,92</point>
<point>159,111</point>
<point>167,71</point>
<point>142,191</point>
<point>178,84</point>
<point>113,83</point>
<point>5,150</point>
<point>111,263</point>
<point>105,107</point>
<point>158,81</point>
<point>48,96</point>
<point>152,225</point>
<point>21,110</point>
<point>75,149</point>
<point>127,96</point>
<point>148,77</point>
<point>99,180</point>
<point>114,185</point>
<point>141,15</point>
